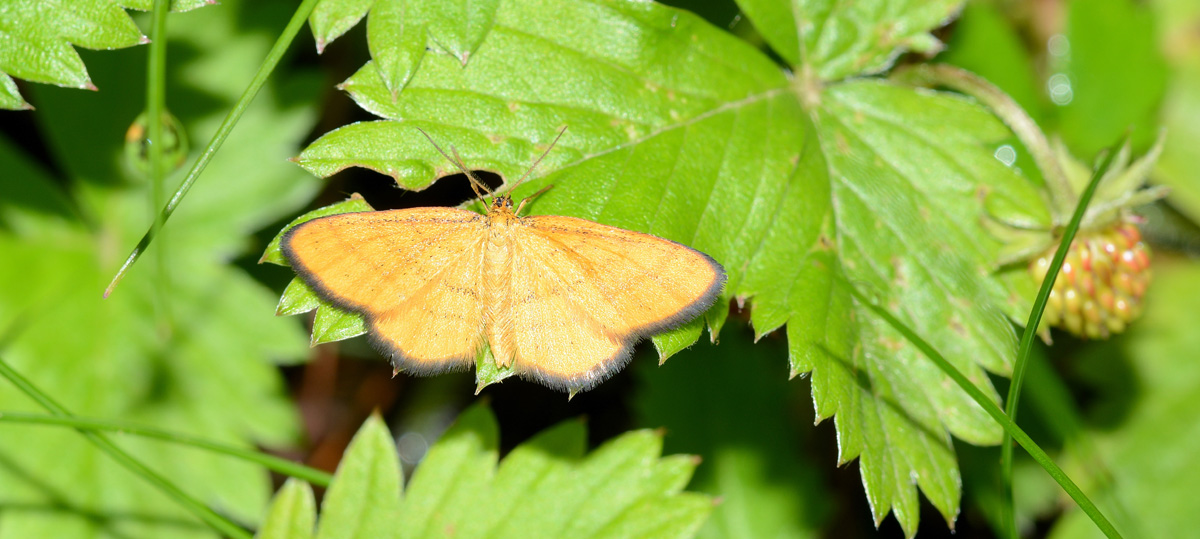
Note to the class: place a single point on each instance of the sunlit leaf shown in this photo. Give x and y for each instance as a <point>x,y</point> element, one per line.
<point>677,128</point>
<point>546,487</point>
<point>362,498</point>
<point>36,38</point>
<point>293,513</point>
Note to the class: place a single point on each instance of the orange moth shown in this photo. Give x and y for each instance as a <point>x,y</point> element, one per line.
<point>562,300</point>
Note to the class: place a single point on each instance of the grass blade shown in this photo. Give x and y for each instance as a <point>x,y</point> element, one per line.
<point>271,462</point>
<point>256,84</point>
<point>1027,336</point>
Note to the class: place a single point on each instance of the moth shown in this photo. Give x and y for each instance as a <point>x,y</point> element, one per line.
<point>561,300</point>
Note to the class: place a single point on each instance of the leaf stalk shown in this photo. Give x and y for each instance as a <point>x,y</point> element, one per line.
<point>1062,195</point>
<point>156,99</point>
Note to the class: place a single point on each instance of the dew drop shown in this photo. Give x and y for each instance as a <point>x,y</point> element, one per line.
<point>1059,86</point>
<point>1006,154</point>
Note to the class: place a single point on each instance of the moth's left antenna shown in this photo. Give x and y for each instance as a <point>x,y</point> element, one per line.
<point>476,183</point>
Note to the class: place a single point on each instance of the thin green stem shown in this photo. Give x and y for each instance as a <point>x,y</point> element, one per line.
<point>260,78</point>
<point>210,517</point>
<point>1031,327</point>
<point>156,99</point>
<point>271,462</point>
<point>997,414</point>
<point>1027,131</point>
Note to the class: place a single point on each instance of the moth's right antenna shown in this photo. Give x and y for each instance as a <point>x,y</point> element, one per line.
<point>539,159</point>
<point>476,183</point>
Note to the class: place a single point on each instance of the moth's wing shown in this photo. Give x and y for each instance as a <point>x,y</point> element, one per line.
<point>413,274</point>
<point>585,293</point>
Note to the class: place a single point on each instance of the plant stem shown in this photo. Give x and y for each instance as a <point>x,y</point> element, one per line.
<point>156,98</point>
<point>260,78</point>
<point>283,466</point>
<point>210,517</point>
<point>1062,195</point>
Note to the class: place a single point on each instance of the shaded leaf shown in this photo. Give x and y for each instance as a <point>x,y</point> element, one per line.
<point>1115,76</point>
<point>1153,371</point>
<point>731,406</point>
<point>1177,168</point>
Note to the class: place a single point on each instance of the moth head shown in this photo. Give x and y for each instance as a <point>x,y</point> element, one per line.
<point>502,203</point>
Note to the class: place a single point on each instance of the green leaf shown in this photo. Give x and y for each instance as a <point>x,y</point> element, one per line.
<point>844,39</point>
<point>1115,76</point>
<point>1148,439</point>
<point>681,130</point>
<point>36,38</point>
<point>10,96</point>
<point>487,372</point>
<point>176,5</point>
<point>292,514</point>
<point>362,498</point>
<point>450,482</point>
<point>546,487</point>
<point>458,26</point>
<point>397,42</point>
<point>397,30</point>
<point>186,347</point>
<point>330,323</point>
<point>297,298</point>
<point>730,406</point>
<point>332,18</point>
